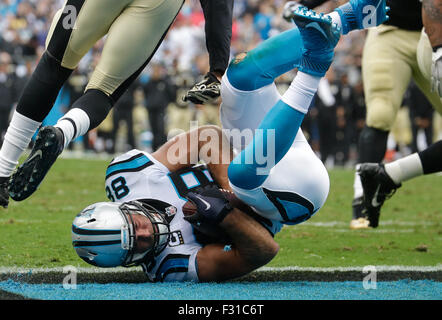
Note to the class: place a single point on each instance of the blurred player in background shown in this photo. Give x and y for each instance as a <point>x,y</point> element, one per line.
<point>147,225</point>
<point>218,27</point>
<point>380,181</point>
<point>394,52</point>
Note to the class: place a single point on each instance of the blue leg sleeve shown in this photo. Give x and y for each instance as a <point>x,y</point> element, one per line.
<point>281,124</point>
<point>270,59</point>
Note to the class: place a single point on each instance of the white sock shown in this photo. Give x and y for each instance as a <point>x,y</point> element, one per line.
<point>336,18</point>
<point>301,91</point>
<point>405,169</point>
<point>17,138</point>
<point>74,124</point>
<point>357,185</point>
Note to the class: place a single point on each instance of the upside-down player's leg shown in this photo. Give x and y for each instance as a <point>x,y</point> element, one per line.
<point>285,118</point>
<point>282,122</point>
<point>274,57</point>
<point>250,180</point>
<point>262,65</point>
<point>250,76</point>
<point>248,90</point>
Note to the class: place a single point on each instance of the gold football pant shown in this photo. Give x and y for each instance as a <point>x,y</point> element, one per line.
<point>390,60</point>
<point>134,29</point>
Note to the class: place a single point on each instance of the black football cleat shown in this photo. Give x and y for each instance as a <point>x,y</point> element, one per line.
<point>47,147</point>
<point>205,91</point>
<point>359,219</point>
<point>4,194</point>
<point>378,187</point>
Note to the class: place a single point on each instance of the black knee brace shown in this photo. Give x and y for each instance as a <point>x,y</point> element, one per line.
<point>42,89</point>
<point>372,145</point>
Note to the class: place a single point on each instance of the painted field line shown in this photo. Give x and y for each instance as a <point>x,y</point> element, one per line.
<point>390,230</point>
<point>92,270</point>
<point>331,224</point>
<point>437,268</point>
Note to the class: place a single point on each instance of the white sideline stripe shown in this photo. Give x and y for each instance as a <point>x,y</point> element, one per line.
<point>346,269</point>
<point>30,271</point>
<point>329,224</point>
<point>376,230</point>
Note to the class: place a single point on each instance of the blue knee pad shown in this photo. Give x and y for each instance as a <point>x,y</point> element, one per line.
<point>270,59</point>
<point>282,122</point>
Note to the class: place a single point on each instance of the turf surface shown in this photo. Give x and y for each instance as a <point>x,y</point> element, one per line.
<point>37,232</point>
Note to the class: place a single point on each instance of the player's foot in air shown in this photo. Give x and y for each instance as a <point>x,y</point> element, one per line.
<point>205,91</point>
<point>4,193</point>
<point>48,146</point>
<point>378,187</point>
<point>320,36</point>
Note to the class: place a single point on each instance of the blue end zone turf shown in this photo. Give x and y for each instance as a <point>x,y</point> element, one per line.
<point>347,290</point>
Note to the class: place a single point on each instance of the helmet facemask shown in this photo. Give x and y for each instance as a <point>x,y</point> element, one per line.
<point>104,234</point>
<point>161,232</point>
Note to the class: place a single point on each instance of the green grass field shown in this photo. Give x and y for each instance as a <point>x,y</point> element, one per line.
<point>37,232</point>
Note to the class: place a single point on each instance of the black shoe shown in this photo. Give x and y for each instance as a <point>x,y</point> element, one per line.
<point>359,219</point>
<point>205,91</point>
<point>48,146</point>
<point>4,195</point>
<point>378,187</point>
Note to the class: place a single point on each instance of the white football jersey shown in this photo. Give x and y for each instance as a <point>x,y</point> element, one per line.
<point>137,175</point>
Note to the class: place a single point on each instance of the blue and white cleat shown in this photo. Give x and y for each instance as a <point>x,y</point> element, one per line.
<point>362,14</point>
<point>320,36</point>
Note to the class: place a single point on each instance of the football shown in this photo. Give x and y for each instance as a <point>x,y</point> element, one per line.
<point>215,233</point>
<point>189,208</point>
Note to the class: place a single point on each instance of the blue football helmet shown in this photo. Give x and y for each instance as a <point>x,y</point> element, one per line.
<point>103,234</point>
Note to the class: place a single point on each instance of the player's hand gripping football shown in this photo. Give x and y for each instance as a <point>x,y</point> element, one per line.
<point>211,206</point>
<point>436,72</point>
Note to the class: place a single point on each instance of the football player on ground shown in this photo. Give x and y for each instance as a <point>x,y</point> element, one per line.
<point>379,181</point>
<point>147,223</point>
